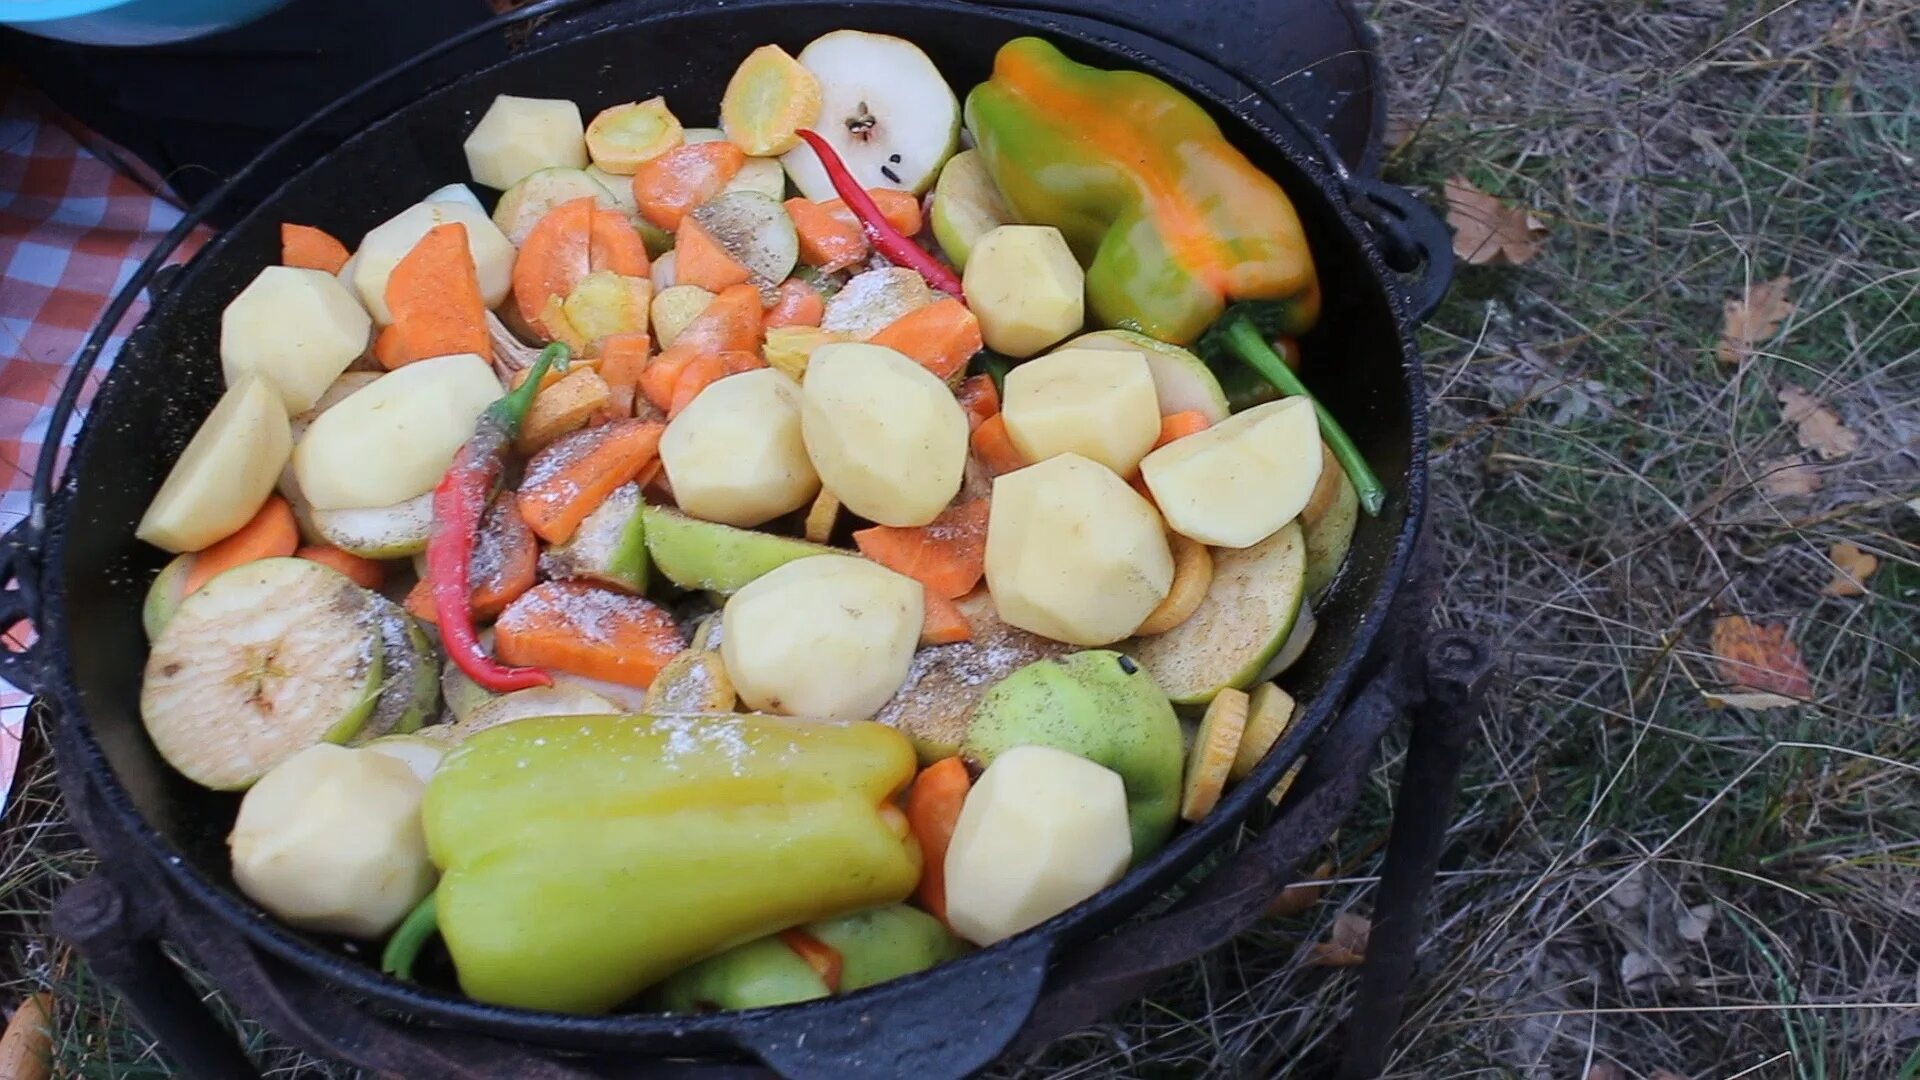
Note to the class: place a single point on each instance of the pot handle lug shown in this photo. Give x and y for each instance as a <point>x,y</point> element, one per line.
<point>1412,238</point>
<point>951,1021</point>
<point>20,604</point>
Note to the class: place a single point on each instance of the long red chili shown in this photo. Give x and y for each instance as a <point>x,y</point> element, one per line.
<point>458,503</point>
<point>887,240</point>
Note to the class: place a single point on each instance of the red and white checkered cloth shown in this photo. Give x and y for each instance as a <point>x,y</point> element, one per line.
<point>72,230</point>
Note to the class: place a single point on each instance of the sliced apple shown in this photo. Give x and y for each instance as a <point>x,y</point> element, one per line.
<point>1093,402</point>
<point>523,205</point>
<point>1236,483</point>
<point>1329,520</point>
<point>227,470</point>
<point>884,106</point>
<point>1245,619</point>
<point>966,206</point>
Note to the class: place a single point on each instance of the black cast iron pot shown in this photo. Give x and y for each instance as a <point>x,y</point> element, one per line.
<point>81,574</point>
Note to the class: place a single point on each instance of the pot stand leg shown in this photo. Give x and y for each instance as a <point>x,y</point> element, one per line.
<point>117,940</point>
<point>1458,664</point>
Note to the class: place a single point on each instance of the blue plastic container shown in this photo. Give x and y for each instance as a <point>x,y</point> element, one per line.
<point>130,22</point>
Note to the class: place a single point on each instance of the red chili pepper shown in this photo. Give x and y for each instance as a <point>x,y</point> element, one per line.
<point>458,504</point>
<point>886,239</point>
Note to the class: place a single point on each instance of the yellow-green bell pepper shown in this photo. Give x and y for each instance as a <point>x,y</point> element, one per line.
<point>1170,219</point>
<point>585,858</point>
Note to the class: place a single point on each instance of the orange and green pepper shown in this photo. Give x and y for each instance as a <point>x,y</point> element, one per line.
<point>1171,220</point>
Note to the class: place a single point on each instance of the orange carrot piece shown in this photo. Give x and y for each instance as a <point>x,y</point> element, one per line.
<point>1180,425</point>
<point>661,375</point>
<point>419,603</point>
<point>824,959</point>
<point>733,321</point>
<point>828,241</point>
<point>623,358</point>
<point>390,347</point>
<point>668,187</point>
<point>270,533</point>
<point>362,572</point>
<point>308,248</point>
<point>979,398</point>
<point>900,208</point>
<point>505,558</point>
<point>947,555</point>
<point>943,623</point>
<point>700,260</point>
<point>994,447</point>
<point>571,477</point>
<point>933,809</point>
<point>434,294</point>
<point>796,303</point>
<point>613,244</point>
<point>941,337</point>
<point>739,360</point>
<point>703,371</point>
<point>553,259</point>
<point>574,627</point>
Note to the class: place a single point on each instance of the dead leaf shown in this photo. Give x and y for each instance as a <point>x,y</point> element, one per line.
<point>1788,476</point>
<point>1666,1074</point>
<point>1346,945</point>
<point>1693,924</point>
<point>1606,1070</point>
<point>1297,898</point>
<point>1758,657</point>
<point>1852,568</point>
<point>27,1044</point>
<point>1753,318</point>
<point>1486,230</point>
<point>1749,701</point>
<point>1817,427</point>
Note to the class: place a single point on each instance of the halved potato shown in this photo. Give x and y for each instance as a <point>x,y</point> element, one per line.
<point>226,472</point>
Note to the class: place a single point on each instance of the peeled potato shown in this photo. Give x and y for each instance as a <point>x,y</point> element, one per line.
<point>828,637</point>
<point>297,329</point>
<point>388,243</point>
<point>1073,553</point>
<point>1025,287</point>
<point>518,136</point>
<point>1236,483</point>
<point>394,440</point>
<point>1093,402</point>
<point>226,472</point>
<point>885,434</point>
<point>674,308</point>
<point>735,454</point>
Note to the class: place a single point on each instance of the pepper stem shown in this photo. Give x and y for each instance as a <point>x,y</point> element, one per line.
<point>1256,353</point>
<point>403,948</point>
<point>511,410</point>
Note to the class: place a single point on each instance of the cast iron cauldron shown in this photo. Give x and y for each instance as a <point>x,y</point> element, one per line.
<point>82,575</point>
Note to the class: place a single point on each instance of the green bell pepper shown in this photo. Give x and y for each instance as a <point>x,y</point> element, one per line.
<point>585,858</point>
<point>1170,219</point>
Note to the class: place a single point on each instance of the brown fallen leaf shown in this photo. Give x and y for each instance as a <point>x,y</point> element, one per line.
<point>26,1049</point>
<point>1817,427</point>
<point>1486,230</point>
<point>1299,897</point>
<point>1852,568</point>
<point>1758,657</point>
<point>1755,701</point>
<point>1752,318</point>
<point>1346,945</point>
<point>1788,476</point>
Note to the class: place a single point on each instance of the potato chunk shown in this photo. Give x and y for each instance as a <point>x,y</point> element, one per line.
<point>886,434</point>
<point>394,440</point>
<point>1093,402</point>
<point>1073,553</point>
<point>1236,483</point>
<point>1025,287</point>
<point>386,244</point>
<point>735,454</point>
<point>297,329</point>
<point>828,637</point>
<point>518,136</point>
<point>225,473</point>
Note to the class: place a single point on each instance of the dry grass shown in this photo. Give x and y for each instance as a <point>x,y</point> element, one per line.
<point>1635,882</point>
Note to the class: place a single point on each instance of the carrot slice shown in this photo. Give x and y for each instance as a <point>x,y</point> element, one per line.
<point>733,322</point>
<point>575,474</point>
<point>739,360</point>
<point>662,374</point>
<point>796,303</point>
<point>434,295</point>
<point>824,959</point>
<point>941,337</point>
<point>270,533</point>
<point>505,557</point>
<point>419,603</point>
<point>623,357</point>
<point>362,572</point>
<point>613,244</point>
<point>308,248</point>
<point>947,555</point>
<point>944,623</point>
<point>900,208</point>
<point>994,447</point>
<point>703,371</point>
<point>668,187</point>
<point>700,260</point>
<point>979,398</point>
<point>933,809</point>
<point>552,259</point>
<point>828,241</point>
<point>1180,425</point>
<point>574,627</point>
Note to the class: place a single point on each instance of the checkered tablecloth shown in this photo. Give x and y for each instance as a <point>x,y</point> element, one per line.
<point>72,230</point>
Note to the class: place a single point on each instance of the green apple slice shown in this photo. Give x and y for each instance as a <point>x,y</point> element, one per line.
<point>523,205</point>
<point>379,532</point>
<point>1328,520</point>
<point>1182,380</point>
<point>165,594</point>
<point>884,106</point>
<point>410,680</point>
<point>1248,613</point>
<point>609,547</point>
<point>966,206</point>
<point>695,554</point>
